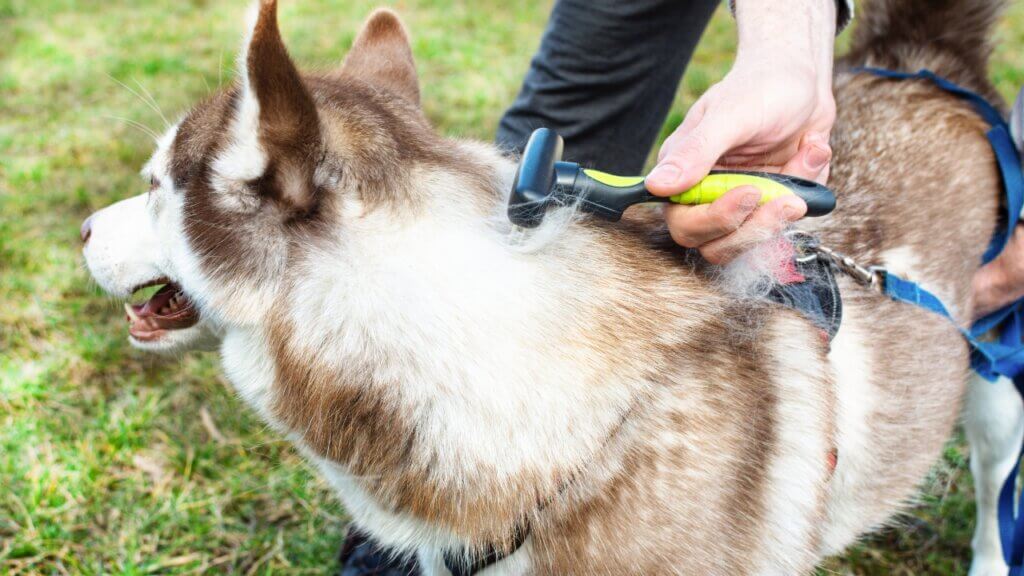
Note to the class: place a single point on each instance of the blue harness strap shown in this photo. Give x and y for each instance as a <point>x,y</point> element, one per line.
<point>1005,355</point>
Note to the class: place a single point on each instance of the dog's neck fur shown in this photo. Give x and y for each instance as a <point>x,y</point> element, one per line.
<point>403,337</point>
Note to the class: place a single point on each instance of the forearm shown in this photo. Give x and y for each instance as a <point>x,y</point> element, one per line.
<point>844,12</point>
<point>789,33</point>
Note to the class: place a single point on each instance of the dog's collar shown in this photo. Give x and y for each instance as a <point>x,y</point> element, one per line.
<point>468,565</point>
<point>808,285</point>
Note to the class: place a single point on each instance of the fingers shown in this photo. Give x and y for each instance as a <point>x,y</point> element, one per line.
<point>694,226</point>
<point>732,224</point>
<point>765,223</point>
<point>688,155</point>
<point>812,159</point>
<point>987,287</point>
<point>1001,281</point>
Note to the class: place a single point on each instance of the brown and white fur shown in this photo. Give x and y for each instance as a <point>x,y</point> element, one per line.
<point>594,384</point>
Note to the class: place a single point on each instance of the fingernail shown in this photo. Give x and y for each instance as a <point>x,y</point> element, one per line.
<point>749,200</point>
<point>665,174</point>
<point>818,158</point>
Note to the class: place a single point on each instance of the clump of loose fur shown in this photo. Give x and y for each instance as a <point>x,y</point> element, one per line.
<point>756,273</point>
<point>530,241</point>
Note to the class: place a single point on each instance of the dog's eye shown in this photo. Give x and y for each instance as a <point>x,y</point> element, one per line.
<point>153,183</point>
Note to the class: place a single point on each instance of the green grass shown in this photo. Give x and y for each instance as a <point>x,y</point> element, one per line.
<point>112,461</point>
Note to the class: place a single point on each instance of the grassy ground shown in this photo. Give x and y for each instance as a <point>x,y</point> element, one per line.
<point>115,462</point>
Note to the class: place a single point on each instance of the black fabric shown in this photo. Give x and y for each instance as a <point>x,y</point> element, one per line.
<point>817,297</point>
<point>605,76</point>
<point>361,556</point>
<point>459,567</point>
<point>844,14</point>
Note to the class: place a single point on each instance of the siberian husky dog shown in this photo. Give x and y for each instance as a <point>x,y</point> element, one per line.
<point>589,400</point>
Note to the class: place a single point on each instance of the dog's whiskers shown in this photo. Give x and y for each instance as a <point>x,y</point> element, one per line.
<point>149,104</point>
<point>152,101</point>
<point>206,83</point>
<point>137,125</point>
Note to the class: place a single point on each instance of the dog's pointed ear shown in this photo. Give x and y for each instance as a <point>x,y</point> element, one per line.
<point>1017,121</point>
<point>276,132</point>
<point>381,56</point>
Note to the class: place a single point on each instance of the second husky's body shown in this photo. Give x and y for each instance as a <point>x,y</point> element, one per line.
<point>594,389</point>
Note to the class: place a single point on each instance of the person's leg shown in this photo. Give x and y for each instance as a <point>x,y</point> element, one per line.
<point>605,77</point>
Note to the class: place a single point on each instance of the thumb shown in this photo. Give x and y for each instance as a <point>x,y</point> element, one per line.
<point>689,154</point>
<point>986,288</point>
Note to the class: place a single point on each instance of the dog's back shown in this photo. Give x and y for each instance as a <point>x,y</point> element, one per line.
<point>918,193</point>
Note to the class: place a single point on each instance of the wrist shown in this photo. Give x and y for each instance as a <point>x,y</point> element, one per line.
<point>797,35</point>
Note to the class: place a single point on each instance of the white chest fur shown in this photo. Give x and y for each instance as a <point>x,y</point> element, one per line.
<point>470,337</point>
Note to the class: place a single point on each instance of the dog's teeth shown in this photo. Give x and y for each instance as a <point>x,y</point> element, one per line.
<point>132,316</point>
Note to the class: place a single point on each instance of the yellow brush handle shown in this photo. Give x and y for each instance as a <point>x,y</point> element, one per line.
<point>609,194</point>
<point>715,185</point>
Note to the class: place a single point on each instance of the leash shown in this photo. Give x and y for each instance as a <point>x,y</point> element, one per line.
<point>990,359</point>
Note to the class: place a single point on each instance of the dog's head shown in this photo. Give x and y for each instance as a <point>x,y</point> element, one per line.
<point>254,174</point>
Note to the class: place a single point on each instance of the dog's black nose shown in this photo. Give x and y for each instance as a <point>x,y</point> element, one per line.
<point>86,230</point>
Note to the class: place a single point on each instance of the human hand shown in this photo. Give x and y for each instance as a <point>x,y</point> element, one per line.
<point>772,112</point>
<point>1001,281</point>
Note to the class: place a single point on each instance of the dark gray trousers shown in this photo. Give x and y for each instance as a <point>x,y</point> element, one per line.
<point>605,76</point>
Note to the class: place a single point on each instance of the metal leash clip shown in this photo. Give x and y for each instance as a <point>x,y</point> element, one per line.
<point>804,244</point>
<point>809,248</point>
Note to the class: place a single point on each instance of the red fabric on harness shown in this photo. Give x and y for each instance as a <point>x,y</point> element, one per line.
<point>782,256</point>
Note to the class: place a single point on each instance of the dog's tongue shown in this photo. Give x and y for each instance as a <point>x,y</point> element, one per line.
<point>159,300</point>
<point>167,309</point>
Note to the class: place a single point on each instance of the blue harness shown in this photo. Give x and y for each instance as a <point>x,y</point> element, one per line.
<point>1005,355</point>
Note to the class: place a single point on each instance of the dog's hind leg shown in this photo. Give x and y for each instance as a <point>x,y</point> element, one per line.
<point>994,422</point>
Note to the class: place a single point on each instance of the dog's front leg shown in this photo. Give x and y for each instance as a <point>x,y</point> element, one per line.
<point>994,422</point>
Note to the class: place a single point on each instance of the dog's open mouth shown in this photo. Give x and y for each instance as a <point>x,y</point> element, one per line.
<point>167,309</point>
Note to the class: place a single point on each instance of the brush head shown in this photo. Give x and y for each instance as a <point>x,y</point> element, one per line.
<point>533,188</point>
